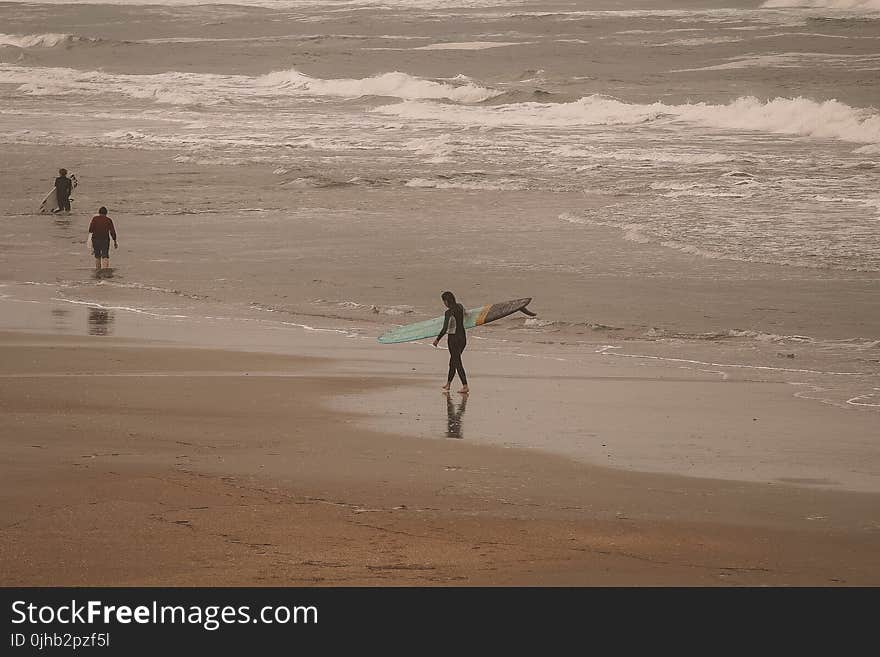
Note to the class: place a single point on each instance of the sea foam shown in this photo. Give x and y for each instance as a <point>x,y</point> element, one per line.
<point>830,119</point>
<point>396,84</point>
<point>867,5</point>
<point>337,5</point>
<point>48,40</point>
<point>179,88</point>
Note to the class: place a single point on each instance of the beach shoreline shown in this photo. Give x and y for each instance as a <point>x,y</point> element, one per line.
<point>300,249</point>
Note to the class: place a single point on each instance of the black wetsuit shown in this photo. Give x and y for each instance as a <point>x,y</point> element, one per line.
<point>63,186</point>
<point>456,341</point>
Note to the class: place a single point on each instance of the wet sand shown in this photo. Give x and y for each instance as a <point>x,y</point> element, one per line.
<point>140,463</point>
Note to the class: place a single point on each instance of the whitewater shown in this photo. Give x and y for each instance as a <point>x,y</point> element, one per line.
<point>744,133</point>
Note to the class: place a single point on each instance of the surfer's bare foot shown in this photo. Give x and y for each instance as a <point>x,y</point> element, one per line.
<point>446,387</point>
<point>464,391</point>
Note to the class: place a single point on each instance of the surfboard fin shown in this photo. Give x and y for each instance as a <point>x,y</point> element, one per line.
<point>526,311</point>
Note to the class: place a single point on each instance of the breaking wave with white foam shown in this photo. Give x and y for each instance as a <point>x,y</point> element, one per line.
<point>205,88</point>
<point>869,5</point>
<point>48,40</point>
<point>689,157</point>
<point>829,119</point>
<point>396,84</point>
<point>467,185</point>
<point>296,4</point>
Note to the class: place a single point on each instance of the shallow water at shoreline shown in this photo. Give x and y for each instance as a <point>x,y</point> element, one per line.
<point>378,257</point>
<point>637,406</point>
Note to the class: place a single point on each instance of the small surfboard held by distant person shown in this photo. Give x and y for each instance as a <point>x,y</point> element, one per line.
<point>473,317</point>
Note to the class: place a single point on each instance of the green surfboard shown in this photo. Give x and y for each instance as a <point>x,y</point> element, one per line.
<point>473,317</point>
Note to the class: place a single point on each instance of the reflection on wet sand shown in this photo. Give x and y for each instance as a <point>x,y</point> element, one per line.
<point>454,415</point>
<point>60,317</point>
<point>100,321</point>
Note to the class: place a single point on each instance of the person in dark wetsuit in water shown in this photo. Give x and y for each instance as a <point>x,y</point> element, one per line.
<point>456,341</point>
<point>63,187</point>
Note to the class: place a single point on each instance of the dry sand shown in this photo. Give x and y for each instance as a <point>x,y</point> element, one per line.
<point>130,463</point>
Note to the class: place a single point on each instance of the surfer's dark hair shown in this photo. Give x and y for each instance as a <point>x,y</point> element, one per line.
<point>448,298</point>
<point>102,210</point>
<point>63,172</point>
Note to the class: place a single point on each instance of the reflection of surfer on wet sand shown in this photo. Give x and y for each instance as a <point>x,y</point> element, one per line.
<point>454,415</point>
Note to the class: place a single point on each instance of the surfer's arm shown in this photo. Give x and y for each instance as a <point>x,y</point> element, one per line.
<point>112,230</point>
<point>445,327</point>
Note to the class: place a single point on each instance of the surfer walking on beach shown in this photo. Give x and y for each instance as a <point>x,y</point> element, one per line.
<point>102,229</point>
<point>63,187</point>
<point>453,323</point>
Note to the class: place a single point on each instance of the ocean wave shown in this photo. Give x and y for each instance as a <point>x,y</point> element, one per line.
<point>376,309</point>
<point>873,203</point>
<point>537,322</point>
<point>853,5</point>
<point>592,110</point>
<point>338,5</point>
<point>853,344</point>
<point>703,190</point>
<point>607,350</point>
<point>698,41</point>
<point>442,182</point>
<point>436,150</point>
<point>722,239</point>
<point>396,84</point>
<point>760,336</point>
<point>794,60</point>
<point>152,288</point>
<point>179,88</point>
<point>468,45</point>
<point>48,40</point>
<point>645,155</point>
<point>800,116</point>
<point>804,259</point>
<point>815,35</point>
